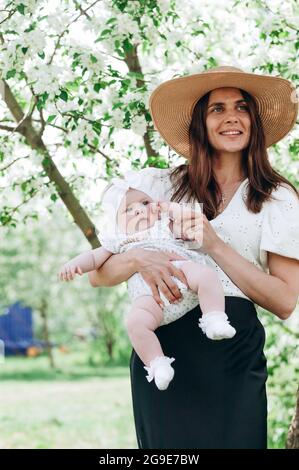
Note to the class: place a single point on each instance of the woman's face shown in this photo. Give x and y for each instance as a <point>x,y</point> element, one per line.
<point>227,110</point>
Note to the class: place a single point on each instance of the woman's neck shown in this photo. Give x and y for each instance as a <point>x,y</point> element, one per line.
<point>227,168</point>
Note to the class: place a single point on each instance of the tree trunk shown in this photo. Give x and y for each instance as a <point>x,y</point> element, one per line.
<point>64,190</point>
<point>46,335</point>
<point>133,64</point>
<point>34,140</point>
<point>293,435</point>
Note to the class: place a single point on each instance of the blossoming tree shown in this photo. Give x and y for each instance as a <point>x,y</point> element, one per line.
<point>76,77</point>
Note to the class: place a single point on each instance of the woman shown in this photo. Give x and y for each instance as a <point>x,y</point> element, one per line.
<point>222,121</point>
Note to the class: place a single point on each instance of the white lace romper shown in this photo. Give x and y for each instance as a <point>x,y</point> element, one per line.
<point>159,238</point>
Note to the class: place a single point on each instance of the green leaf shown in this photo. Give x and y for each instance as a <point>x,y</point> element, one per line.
<point>51,118</point>
<point>93,58</point>
<point>106,116</point>
<point>95,142</point>
<point>31,27</point>
<point>111,20</point>
<point>46,162</point>
<point>105,32</point>
<point>24,50</point>
<point>128,47</point>
<point>97,127</point>
<point>41,55</point>
<point>73,86</point>
<point>97,86</point>
<point>136,75</point>
<point>11,73</point>
<point>53,197</point>
<point>155,21</point>
<point>63,95</point>
<point>21,8</point>
<point>42,100</point>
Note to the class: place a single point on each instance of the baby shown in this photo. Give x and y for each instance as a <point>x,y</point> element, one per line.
<point>134,219</point>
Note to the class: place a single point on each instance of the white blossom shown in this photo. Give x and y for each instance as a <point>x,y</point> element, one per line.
<point>138,125</point>
<point>117,118</point>
<point>45,78</point>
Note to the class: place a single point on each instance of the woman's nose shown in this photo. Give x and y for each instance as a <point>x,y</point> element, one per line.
<point>231,117</point>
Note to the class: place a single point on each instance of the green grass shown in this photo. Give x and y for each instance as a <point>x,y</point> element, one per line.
<point>78,405</point>
<point>75,406</point>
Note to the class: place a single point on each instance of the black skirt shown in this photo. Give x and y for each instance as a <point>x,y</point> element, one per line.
<point>217,398</point>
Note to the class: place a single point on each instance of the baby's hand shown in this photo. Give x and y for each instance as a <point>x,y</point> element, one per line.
<point>174,209</point>
<point>68,272</point>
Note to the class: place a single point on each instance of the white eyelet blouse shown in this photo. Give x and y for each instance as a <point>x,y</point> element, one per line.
<point>275,228</point>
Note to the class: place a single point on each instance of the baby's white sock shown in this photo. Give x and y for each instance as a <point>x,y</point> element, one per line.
<point>215,325</point>
<point>160,370</point>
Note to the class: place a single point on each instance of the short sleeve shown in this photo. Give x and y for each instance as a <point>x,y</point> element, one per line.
<point>280,225</point>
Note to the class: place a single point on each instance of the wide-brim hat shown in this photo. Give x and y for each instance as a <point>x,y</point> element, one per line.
<point>172,103</point>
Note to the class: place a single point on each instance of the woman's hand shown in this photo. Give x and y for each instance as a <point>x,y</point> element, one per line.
<point>156,269</point>
<point>203,233</point>
<point>190,224</point>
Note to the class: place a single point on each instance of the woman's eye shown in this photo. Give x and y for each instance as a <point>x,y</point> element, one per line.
<point>240,106</point>
<point>145,203</point>
<point>128,209</point>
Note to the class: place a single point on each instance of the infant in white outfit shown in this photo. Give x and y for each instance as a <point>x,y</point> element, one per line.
<point>136,220</point>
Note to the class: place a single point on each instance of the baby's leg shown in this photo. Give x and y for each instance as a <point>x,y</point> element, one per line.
<point>143,319</point>
<point>204,280</point>
<point>141,322</point>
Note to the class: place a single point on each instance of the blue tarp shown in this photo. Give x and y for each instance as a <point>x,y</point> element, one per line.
<point>16,329</point>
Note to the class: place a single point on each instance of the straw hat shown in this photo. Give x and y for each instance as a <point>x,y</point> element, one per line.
<point>171,103</point>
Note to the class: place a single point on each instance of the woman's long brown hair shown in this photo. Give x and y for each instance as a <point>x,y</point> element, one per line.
<point>196,179</point>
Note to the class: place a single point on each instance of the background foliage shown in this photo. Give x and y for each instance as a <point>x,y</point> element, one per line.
<point>76,79</point>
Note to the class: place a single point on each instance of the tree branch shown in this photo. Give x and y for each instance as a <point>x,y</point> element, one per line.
<point>63,188</point>
<point>7,128</point>
<point>96,150</point>
<point>82,12</point>
<point>133,63</point>
<point>11,163</point>
<point>12,12</point>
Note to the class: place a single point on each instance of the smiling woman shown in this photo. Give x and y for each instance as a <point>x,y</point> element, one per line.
<point>217,398</point>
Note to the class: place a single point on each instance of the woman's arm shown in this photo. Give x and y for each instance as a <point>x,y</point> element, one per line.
<point>154,266</point>
<point>277,291</point>
<point>118,268</point>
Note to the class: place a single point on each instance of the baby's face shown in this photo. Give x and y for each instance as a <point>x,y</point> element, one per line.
<point>136,212</point>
